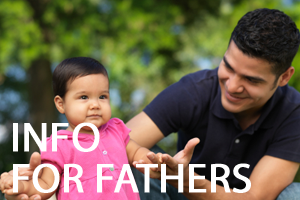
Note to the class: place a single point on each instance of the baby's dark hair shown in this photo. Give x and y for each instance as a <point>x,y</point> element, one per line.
<point>268,34</point>
<point>71,68</point>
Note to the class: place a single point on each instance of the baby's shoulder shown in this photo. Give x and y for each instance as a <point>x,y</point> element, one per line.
<point>58,142</point>
<point>117,125</point>
<point>115,122</point>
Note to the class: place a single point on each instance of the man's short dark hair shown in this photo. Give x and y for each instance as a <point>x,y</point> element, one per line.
<point>71,68</point>
<point>268,34</point>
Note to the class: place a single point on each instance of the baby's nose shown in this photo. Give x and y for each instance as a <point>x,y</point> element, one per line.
<point>95,104</point>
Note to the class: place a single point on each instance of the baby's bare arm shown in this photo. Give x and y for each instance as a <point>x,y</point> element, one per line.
<point>140,155</point>
<point>135,152</point>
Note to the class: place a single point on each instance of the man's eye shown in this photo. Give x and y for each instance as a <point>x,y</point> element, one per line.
<point>228,68</point>
<point>83,97</point>
<point>103,97</point>
<point>252,80</point>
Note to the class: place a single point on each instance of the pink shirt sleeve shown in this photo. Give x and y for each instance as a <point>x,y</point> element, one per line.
<point>122,128</point>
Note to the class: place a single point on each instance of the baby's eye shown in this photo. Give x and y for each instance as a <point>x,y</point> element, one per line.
<point>103,97</point>
<point>83,97</point>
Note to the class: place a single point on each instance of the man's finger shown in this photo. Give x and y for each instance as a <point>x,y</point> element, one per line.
<point>18,197</point>
<point>35,160</point>
<point>153,157</point>
<point>169,161</point>
<point>190,146</point>
<point>4,175</point>
<point>159,155</point>
<point>35,197</point>
<point>22,171</point>
<point>9,191</point>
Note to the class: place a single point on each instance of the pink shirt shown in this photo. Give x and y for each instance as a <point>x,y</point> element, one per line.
<point>111,150</point>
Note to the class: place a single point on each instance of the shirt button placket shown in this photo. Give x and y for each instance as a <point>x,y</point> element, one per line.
<point>104,152</point>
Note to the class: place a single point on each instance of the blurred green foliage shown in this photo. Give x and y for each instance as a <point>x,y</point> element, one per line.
<point>145,46</point>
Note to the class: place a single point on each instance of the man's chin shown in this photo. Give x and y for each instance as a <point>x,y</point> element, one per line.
<point>231,107</point>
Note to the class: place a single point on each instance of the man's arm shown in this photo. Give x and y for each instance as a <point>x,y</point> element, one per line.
<point>269,177</point>
<point>144,131</point>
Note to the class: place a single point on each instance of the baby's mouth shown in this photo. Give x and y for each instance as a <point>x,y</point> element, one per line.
<point>95,115</point>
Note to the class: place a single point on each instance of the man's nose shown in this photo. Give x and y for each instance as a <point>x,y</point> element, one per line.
<point>234,84</point>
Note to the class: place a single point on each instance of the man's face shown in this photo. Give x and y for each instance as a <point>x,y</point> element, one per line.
<point>246,83</point>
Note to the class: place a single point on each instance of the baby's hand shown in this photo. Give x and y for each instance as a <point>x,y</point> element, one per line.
<point>152,159</point>
<point>6,184</point>
<point>155,172</point>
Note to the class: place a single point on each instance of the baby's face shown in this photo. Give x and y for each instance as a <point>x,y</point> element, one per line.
<point>87,101</point>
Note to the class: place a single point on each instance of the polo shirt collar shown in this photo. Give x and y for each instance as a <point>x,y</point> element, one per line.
<point>219,111</point>
<point>268,107</point>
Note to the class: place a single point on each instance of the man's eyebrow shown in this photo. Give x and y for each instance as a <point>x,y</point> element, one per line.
<point>253,78</point>
<point>226,63</point>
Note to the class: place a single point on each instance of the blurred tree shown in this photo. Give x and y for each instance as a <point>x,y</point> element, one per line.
<point>145,45</point>
<point>136,40</point>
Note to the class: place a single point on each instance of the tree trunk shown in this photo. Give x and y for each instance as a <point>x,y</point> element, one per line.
<point>41,105</point>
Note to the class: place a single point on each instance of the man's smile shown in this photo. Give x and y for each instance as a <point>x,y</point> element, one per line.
<point>233,98</point>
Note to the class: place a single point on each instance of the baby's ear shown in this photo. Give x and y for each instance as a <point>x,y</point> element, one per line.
<point>59,103</point>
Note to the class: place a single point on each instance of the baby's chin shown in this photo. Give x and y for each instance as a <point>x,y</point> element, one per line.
<point>87,127</point>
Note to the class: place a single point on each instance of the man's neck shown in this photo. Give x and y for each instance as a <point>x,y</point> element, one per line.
<point>246,119</point>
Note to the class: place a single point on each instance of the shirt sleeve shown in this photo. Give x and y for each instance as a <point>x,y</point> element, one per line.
<point>180,106</point>
<point>286,141</point>
<point>123,129</point>
<point>51,157</point>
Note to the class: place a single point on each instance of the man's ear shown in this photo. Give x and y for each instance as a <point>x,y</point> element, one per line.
<point>286,76</point>
<point>59,104</point>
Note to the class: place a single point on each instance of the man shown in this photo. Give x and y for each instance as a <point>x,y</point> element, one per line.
<point>242,112</point>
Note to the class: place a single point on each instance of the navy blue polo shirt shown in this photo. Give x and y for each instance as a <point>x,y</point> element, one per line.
<point>192,107</point>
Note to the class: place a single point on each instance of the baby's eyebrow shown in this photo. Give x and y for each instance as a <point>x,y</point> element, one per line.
<point>81,92</point>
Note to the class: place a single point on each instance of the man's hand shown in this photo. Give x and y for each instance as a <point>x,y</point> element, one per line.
<point>35,160</point>
<point>182,157</point>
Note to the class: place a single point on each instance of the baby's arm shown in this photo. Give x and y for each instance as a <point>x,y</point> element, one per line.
<point>26,187</point>
<point>140,155</point>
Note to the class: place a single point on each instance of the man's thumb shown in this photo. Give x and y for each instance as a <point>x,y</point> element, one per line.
<point>35,160</point>
<point>190,146</point>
